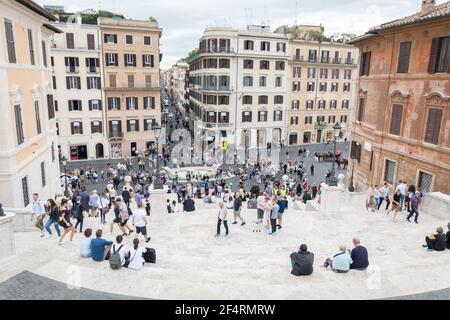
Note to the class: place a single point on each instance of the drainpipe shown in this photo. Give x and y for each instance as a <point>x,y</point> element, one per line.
<point>237,97</point>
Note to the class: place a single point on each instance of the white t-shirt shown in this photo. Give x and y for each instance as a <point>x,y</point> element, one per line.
<point>136,260</point>
<point>222,214</point>
<point>85,247</point>
<point>139,216</point>
<point>122,251</point>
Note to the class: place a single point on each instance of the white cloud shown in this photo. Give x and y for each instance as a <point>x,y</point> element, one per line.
<point>183,21</point>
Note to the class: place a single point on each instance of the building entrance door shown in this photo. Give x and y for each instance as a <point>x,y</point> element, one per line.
<point>133,148</point>
<point>319,136</point>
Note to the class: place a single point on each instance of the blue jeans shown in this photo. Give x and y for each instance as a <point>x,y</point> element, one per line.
<point>402,201</point>
<point>49,223</point>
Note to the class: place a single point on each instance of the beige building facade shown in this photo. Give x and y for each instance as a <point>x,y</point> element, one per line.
<point>28,140</point>
<point>130,52</point>
<point>322,89</point>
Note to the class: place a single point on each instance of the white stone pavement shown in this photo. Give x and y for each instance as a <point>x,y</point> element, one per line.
<point>193,264</point>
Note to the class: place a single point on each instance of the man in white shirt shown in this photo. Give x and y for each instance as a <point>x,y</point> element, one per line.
<point>38,207</point>
<point>222,218</point>
<point>140,222</point>
<point>402,188</point>
<point>384,191</point>
<point>120,248</point>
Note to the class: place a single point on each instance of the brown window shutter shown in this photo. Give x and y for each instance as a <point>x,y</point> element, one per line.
<point>66,60</point>
<point>367,63</point>
<point>433,126</point>
<point>137,125</point>
<point>92,127</point>
<point>116,60</point>
<point>396,119</point>
<point>110,126</point>
<point>90,42</point>
<point>70,41</point>
<point>128,125</point>
<point>77,62</point>
<point>433,55</point>
<point>404,57</point>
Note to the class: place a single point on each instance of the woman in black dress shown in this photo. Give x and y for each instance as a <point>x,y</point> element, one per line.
<point>64,221</point>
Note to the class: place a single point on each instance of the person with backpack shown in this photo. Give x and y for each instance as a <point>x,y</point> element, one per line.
<point>38,207</point>
<point>140,222</point>
<point>119,253</point>
<point>124,215</point>
<point>126,196</point>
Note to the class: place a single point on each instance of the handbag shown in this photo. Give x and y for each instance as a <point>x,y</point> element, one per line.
<point>128,261</point>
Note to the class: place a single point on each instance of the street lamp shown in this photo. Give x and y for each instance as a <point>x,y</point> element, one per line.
<point>332,181</point>
<point>157,185</point>
<point>64,162</point>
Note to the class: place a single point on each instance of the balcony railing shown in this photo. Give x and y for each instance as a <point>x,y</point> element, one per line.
<point>320,125</point>
<point>349,61</point>
<point>220,88</point>
<point>72,69</point>
<point>299,58</point>
<point>115,135</point>
<point>325,60</point>
<point>134,86</point>
<point>216,50</point>
<point>337,60</point>
<point>93,70</point>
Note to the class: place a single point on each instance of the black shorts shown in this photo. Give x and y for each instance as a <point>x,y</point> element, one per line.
<point>122,224</point>
<point>142,230</point>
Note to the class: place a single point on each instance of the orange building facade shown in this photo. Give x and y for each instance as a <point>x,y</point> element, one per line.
<point>402,122</point>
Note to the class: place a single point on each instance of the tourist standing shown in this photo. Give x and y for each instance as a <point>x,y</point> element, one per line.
<point>416,201</point>
<point>78,213</point>
<point>53,217</point>
<point>261,202</point>
<point>85,198</point>
<point>64,221</point>
<point>238,208</point>
<point>395,204</point>
<point>274,215</point>
<point>402,188</point>
<point>93,202</point>
<point>222,218</point>
<point>139,221</point>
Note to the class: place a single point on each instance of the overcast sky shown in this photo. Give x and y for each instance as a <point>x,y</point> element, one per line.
<point>183,21</point>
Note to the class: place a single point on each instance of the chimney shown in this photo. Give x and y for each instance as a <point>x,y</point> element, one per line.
<point>427,6</point>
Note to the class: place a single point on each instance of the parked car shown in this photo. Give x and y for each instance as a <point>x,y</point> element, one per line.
<point>70,178</point>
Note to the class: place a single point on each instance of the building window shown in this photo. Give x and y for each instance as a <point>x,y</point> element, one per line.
<point>211,117</point>
<point>43,174</point>
<point>311,73</point>
<point>25,191</point>
<point>309,104</point>
<point>50,107</point>
<point>278,115</point>
<point>70,42</point>
<point>115,128</point>
<point>96,127</point>
<point>312,56</point>
<point>92,65</point>
<point>132,126</point>
<point>335,74</point>
<point>90,41</point>
<point>265,46</point>
<point>325,58</point>
<point>31,47</point>
<point>333,104</point>
<point>72,64</point>
<point>95,105</point>
<point>248,45</point>
<point>147,41</point>
<point>73,83</point>
<point>345,104</point>
<point>19,124</point>
<point>224,63</point>
<point>343,118</point>
<point>310,86</point>
<point>263,100</point>
<point>247,100</point>
<point>248,64</point>
<point>44,54</point>
<point>281,46</point>
<point>439,55</point>
<point>296,86</point>
<point>347,74</point>
<point>389,171</point>
<point>149,102</point>
<point>148,124</point>
<point>308,120</point>
<point>293,138</point>
<point>262,116</point>
<point>148,60</point>
<point>365,64</point>
<point>278,81</point>
<point>278,99</point>
<point>347,87</point>
<point>37,117</point>
<point>425,182</point>
<point>433,128</point>
<point>396,119</point>
<point>128,39</point>
<point>75,105</point>
<point>148,81</point>
<point>224,117</point>
<point>361,108</point>
<point>323,87</point>
<point>331,119</point>
<point>93,83</point>
<point>77,127</point>
<point>294,120</point>
<point>247,116</point>
<point>110,38</point>
<point>321,104</point>
<point>279,65</point>
<point>264,65</point>
<point>10,41</point>
<point>130,60</point>
<point>224,100</point>
<point>323,73</point>
<point>320,119</point>
<point>113,103</point>
<point>297,72</point>
<point>296,104</point>
<point>130,79</point>
<point>248,81</point>
<point>132,103</point>
<point>263,81</point>
<point>112,59</point>
<point>334,87</point>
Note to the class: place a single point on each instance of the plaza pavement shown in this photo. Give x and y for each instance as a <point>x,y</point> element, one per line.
<point>193,264</point>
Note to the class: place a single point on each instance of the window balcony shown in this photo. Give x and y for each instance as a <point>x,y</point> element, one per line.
<point>93,70</point>
<point>298,58</point>
<point>115,135</point>
<point>72,69</point>
<point>349,61</point>
<point>216,50</point>
<point>337,60</point>
<point>320,125</point>
<point>124,86</point>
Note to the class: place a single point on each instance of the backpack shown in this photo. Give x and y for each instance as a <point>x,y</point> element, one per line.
<point>114,259</point>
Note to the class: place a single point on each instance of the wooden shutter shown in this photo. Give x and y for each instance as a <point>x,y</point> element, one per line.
<point>10,41</point>
<point>116,59</point>
<point>396,119</point>
<point>70,41</point>
<point>50,107</point>
<point>137,125</point>
<point>72,128</point>
<point>134,60</point>
<point>90,105</point>
<point>92,126</point>
<point>91,41</point>
<point>404,56</point>
<point>143,60</point>
<point>105,38</point>
<point>88,83</point>
<point>433,55</point>
<point>44,54</point>
<point>136,100</point>
<point>77,62</point>
<point>115,38</point>
<point>81,127</point>
<point>125,60</point>
<point>128,125</point>
<point>19,124</point>
<point>100,107</point>
<point>70,105</point>
<point>99,82</point>
<point>78,79</point>
<point>67,82</point>
<point>433,126</point>
<point>110,127</point>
